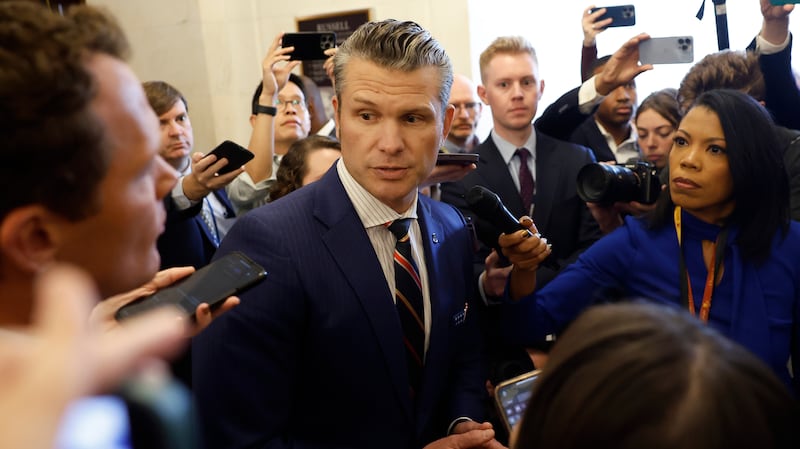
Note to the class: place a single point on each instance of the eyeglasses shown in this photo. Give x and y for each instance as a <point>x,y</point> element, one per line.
<point>281,104</point>
<point>469,106</point>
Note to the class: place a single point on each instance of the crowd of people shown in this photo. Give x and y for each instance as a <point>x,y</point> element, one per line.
<point>391,309</point>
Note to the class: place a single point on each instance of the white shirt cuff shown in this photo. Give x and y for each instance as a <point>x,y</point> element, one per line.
<point>179,197</point>
<point>588,97</point>
<point>765,47</point>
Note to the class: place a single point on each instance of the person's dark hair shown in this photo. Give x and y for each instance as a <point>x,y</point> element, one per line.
<point>642,375</point>
<point>260,88</point>
<point>663,102</point>
<point>727,69</point>
<point>760,183</point>
<point>162,96</point>
<point>293,165</point>
<point>52,144</point>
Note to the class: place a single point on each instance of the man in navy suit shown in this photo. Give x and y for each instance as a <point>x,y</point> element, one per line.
<point>316,355</point>
<point>199,213</point>
<point>511,86</point>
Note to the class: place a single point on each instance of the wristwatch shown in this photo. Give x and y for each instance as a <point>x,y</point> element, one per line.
<point>269,110</point>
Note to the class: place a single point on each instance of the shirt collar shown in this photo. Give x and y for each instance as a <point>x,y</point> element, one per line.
<point>507,149</point>
<point>371,211</point>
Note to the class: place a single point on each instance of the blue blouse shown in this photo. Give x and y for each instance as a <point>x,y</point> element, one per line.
<point>757,306</point>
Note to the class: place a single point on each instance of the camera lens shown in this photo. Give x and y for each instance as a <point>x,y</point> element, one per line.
<point>602,183</point>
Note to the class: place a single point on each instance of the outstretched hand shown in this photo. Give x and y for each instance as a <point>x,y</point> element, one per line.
<point>622,67</point>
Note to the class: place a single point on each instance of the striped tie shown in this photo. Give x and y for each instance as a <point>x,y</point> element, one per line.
<point>408,298</point>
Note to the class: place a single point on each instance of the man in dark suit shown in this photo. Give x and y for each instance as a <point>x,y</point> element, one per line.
<point>321,354</point>
<point>540,183</point>
<point>199,213</point>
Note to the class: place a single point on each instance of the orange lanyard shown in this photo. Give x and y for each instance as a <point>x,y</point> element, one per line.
<point>718,248</point>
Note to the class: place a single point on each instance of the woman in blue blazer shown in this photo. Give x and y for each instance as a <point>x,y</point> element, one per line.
<point>719,244</point>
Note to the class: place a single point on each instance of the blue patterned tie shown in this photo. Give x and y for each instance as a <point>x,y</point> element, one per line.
<point>408,298</point>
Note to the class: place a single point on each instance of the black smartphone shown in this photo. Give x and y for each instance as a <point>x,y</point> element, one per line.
<point>623,15</point>
<point>667,50</point>
<point>783,2</point>
<point>308,45</point>
<point>457,158</point>
<point>236,155</point>
<point>212,284</point>
<point>511,397</point>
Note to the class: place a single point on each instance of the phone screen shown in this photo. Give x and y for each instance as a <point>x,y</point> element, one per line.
<point>308,46</point>
<point>211,284</point>
<point>512,397</point>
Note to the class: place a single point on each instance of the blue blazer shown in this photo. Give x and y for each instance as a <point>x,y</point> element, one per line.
<point>186,240</point>
<point>313,357</point>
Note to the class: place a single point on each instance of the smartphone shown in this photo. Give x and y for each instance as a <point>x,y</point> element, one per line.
<point>236,155</point>
<point>212,284</point>
<point>308,45</point>
<point>457,158</point>
<point>511,397</point>
<point>783,2</point>
<point>667,50</point>
<point>623,15</point>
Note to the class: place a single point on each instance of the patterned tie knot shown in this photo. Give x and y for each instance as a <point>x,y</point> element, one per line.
<point>399,228</point>
<point>522,154</point>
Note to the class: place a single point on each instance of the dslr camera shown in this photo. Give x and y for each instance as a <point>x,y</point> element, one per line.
<point>607,184</point>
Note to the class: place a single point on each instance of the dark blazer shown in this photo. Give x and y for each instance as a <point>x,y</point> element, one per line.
<point>313,357</point>
<point>782,99</point>
<point>564,120</point>
<point>559,213</point>
<point>186,240</point>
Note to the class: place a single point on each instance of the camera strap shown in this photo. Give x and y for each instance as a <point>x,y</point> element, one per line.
<point>717,256</point>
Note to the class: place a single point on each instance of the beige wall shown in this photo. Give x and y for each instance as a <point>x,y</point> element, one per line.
<point>212,49</point>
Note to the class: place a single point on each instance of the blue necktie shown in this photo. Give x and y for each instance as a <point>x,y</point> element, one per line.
<point>408,298</point>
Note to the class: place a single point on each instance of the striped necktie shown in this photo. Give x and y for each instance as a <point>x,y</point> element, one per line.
<point>408,298</point>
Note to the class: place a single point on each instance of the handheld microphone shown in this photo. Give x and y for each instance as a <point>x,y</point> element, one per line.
<point>487,206</point>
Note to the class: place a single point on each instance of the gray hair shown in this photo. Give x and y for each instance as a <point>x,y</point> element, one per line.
<point>397,45</point>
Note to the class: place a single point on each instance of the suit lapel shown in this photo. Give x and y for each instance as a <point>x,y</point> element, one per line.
<point>548,173</point>
<point>494,171</point>
<point>350,247</point>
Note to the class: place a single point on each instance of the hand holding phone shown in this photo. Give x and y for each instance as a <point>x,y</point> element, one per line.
<point>236,155</point>
<point>622,16</point>
<point>308,46</point>
<point>212,284</point>
<point>667,50</point>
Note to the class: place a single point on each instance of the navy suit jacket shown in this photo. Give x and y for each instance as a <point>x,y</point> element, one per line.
<point>313,357</point>
<point>186,240</point>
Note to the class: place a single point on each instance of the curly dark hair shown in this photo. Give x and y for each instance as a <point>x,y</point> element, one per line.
<point>52,145</point>
<point>293,165</point>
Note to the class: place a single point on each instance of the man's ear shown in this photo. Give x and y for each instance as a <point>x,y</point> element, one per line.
<point>29,237</point>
